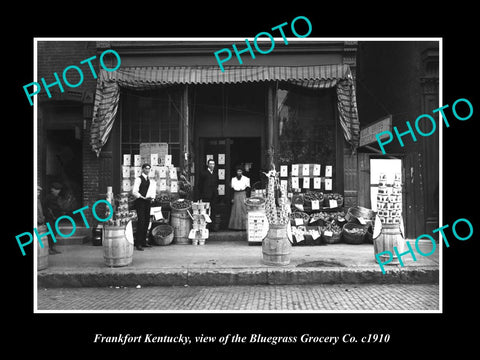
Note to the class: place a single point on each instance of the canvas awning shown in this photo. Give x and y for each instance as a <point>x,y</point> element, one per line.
<point>107,94</point>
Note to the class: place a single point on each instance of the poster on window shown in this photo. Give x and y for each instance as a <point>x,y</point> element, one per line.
<point>306,169</point>
<point>208,157</point>
<point>221,174</point>
<point>316,169</point>
<point>125,171</point>
<point>221,159</point>
<point>306,183</point>
<point>126,159</point>
<point>173,173</point>
<point>283,170</point>
<point>137,160</point>
<point>162,172</point>
<point>328,171</point>
<point>153,159</point>
<point>221,189</point>
<point>328,184</point>
<point>163,184</point>
<point>295,170</point>
<point>295,184</point>
<point>168,160</point>
<point>317,183</point>
<point>174,186</point>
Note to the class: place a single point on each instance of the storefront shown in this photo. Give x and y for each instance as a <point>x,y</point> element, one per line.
<point>248,115</point>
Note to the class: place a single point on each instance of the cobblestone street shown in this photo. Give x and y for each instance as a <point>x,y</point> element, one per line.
<point>300,297</point>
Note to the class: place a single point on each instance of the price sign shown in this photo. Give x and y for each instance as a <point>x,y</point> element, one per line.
<point>315,205</point>
<point>333,203</point>
<point>328,233</point>
<point>298,221</point>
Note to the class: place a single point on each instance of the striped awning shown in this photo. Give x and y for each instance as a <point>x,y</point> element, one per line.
<point>142,78</point>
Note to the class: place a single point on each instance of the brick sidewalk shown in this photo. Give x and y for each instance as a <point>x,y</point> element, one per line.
<point>363,297</point>
<point>223,263</point>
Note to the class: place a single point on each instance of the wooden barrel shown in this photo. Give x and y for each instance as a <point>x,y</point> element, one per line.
<point>389,238</point>
<point>117,250</point>
<point>275,247</point>
<point>42,253</point>
<point>181,224</point>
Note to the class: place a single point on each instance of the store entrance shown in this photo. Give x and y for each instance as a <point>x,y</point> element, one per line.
<point>229,153</point>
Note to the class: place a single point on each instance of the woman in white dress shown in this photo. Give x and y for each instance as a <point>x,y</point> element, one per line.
<point>238,215</point>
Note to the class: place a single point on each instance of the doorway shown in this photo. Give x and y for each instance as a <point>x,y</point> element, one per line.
<point>387,189</point>
<point>229,153</point>
<point>64,165</point>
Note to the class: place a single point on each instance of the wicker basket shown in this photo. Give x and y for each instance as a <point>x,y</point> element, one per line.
<point>162,234</point>
<point>356,237</point>
<point>334,239</point>
<point>326,201</point>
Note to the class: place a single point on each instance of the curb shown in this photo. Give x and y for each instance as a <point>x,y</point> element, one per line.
<point>236,276</point>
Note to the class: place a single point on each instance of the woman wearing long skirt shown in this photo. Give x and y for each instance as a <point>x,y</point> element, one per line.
<point>238,216</point>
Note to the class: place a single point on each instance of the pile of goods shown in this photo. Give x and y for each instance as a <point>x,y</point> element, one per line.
<point>201,216</point>
<point>276,215</point>
<point>121,212</point>
<point>389,200</point>
<point>181,204</point>
<point>333,196</point>
<point>307,235</point>
<point>299,218</point>
<point>322,218</point>
<point>313,200</point>
<point>332,233</point>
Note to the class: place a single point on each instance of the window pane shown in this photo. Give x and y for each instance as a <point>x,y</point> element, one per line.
<point>151,116</point>
<point>306,126</point>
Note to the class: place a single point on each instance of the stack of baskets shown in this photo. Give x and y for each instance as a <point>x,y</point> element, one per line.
<point>359,228</point>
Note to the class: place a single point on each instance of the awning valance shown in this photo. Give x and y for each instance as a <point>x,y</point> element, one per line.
<point>142,78</point>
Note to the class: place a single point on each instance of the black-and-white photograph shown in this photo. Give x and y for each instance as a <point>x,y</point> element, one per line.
<point>274,174</point>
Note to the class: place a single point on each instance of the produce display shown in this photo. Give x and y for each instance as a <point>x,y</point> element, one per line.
<point>337,216</point>
<point>313,195</point>
<point>333,196</point>
<point>276,215</point>
<point>389,200</point>
<point>181,204</point>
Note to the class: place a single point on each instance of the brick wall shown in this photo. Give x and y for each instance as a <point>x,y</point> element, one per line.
<point>55,56</point>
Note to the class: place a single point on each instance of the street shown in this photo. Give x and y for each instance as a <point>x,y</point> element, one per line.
<point>363,297</point>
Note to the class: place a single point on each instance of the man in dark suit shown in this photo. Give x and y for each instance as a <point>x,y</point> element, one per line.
<point>208,186</point>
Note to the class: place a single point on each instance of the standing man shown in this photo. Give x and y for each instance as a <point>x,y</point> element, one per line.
<point>144,193</point>
<point>54,211</point>
<point>208,186</point>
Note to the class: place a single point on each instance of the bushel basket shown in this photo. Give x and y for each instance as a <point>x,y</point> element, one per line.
<point>162,234</point>
<point>354,233</point>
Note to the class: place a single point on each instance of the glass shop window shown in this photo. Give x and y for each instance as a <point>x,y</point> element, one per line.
<point>306,126</point>
<point>151,116</point>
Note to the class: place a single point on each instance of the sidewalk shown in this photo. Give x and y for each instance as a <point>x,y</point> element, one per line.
<point>233,262</point>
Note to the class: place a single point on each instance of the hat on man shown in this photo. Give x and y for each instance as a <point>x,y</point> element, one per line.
<point>56,186</point>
